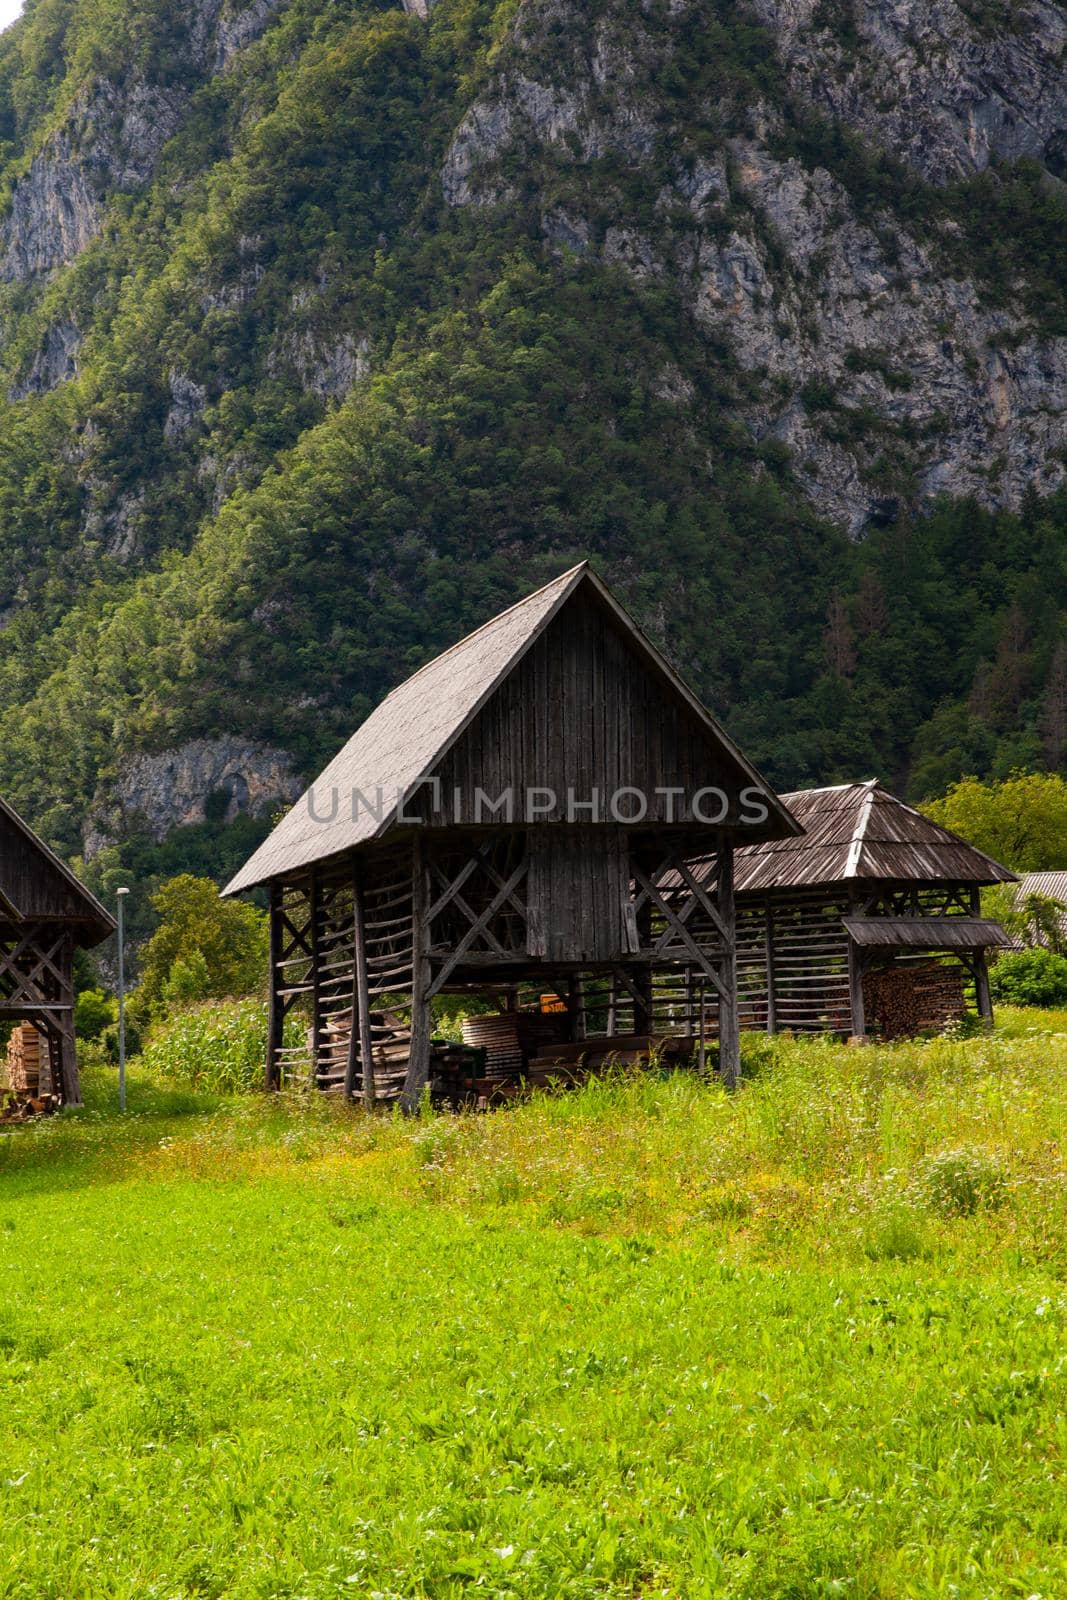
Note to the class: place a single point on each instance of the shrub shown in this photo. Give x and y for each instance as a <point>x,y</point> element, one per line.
<point>189,980</point>
<point>93,1011</point>
<point>895,1233</point>
<point>219,1047</point>
<point>1030,978</point>
<point>109,1039</point>
<point>957,1183</point>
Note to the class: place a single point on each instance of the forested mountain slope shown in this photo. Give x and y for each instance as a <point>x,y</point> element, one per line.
<point>327,329</point>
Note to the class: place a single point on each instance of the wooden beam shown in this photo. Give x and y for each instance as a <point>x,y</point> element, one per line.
<point>855,990</point>
<point>68,1065</point>
<point>275,1007</point>
<point>418,1073</point>
<point>478,928</point>
<point>576,1007</point>
<point>729,1022</point>
<point>641,987</point>
<point>360,1037</point>
<point>316,973</point>
<point>982,995</point>
<point>768,943</point>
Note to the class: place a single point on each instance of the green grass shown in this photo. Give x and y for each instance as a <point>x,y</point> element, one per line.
<point>642,1340</point>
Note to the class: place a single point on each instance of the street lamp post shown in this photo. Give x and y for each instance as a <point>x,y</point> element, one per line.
<point>121,895</point>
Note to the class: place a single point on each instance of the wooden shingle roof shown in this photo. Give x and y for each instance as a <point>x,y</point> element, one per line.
<point>858,831</point>
<point>1052,885</point>
<point>407,736</point>
<point>36,883</point>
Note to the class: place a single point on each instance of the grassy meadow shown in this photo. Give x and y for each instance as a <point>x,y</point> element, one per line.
<point>642,1340</point>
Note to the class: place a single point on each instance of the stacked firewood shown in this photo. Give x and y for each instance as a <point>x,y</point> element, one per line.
<point>905,1000</point>
<point>29,1067</point>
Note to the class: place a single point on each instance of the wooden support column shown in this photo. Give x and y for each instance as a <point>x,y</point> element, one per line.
<point>982,995</point>
<point>360,1045</point>
<point>729,1023</point>
<point>418,1074</point>
<point>855,989</point>
<point>65,1069</point>
<point>315,940</point>
<point>67,1065</point>
<point>576,1008</point>
<point>768,946</point>
<point>275,1007</point>
<point>642,975</point>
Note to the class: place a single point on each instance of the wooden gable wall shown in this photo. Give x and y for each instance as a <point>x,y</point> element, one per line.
<point>582,709</point>
<point>31,882</point>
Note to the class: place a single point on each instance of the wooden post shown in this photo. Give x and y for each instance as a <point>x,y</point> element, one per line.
<point>855,989</point>
<point>315,932</point>
<point>982,996</point>
<point>360,1047</point>
<point>68,1063</point>
<point>768,944</point>
<point>642,975</point>
<point>66,1069</point>
<point>729,1023</point>
<point>276,1009</point>
<point>576,1007</point>
<point>613,992</point>
<point>418,1074</point>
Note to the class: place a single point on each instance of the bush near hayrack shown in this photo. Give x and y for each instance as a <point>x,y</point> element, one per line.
<point>1030,978</point>
<point>205,948</point>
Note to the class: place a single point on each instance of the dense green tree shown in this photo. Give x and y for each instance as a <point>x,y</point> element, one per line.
<point>1020,821</point>
<point>204,947</point>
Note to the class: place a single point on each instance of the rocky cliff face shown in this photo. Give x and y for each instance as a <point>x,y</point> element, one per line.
<point>108,141</point>
<point>231,777</point>
<point>946,85</point>
<point>876,366</point>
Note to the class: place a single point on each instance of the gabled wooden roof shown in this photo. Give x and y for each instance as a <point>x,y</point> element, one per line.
<point>29,883</point>
<point>407,736</point>
<point>858,831</point>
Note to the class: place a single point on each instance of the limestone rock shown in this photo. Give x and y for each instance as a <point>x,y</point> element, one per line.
<point>55,362</point>
<point>862,347</point>
<point>239,777</point>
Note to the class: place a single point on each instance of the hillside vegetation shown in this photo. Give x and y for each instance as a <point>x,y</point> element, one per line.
<point>642,1339</point>
<point>315,351</point>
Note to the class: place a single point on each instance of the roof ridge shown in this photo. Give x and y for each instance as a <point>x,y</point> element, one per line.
<point>827,788</point>
<point>859,832</point>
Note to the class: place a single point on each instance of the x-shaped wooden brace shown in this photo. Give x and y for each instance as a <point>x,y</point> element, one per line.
<point>676,929</point>
<point>43,957</point>
<point>452,895</point>
<point>300,940</point>
<point>479,926</point>
<point>623,977</point>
